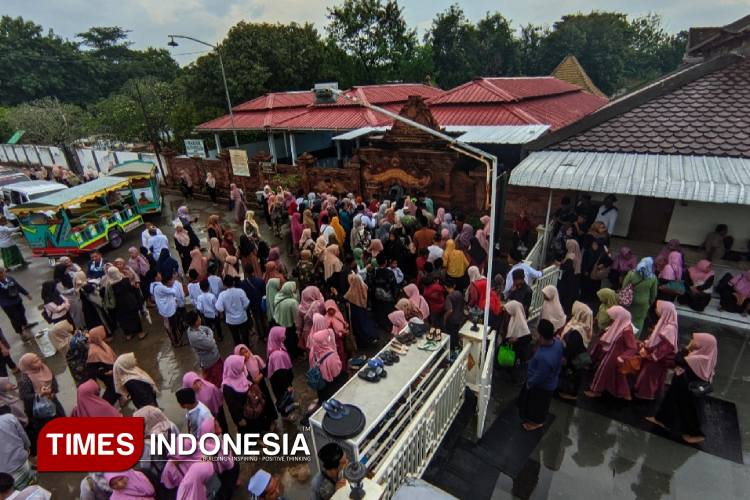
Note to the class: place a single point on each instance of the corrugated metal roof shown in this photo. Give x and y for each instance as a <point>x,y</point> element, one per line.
<point>275,100</point>
<point>356,133</point>
<point>338,118</point>
<point>75,194</point>
<point>712,179</point>
<point>502,134</point>
<point>497,90</point>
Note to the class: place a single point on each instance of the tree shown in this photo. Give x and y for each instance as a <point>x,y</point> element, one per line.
<point>49,121</point>
<point>374,33</point>
<point>496,46</point>
<point>529,49</point>
<point>653,50</point>
<point>454,46</point>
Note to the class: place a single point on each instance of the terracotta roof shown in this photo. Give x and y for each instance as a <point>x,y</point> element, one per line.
<point>702,110</point>
<point>488,90</point>
<point>570,70</point>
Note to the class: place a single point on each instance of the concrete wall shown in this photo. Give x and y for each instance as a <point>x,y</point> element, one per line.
<point>691,221</point>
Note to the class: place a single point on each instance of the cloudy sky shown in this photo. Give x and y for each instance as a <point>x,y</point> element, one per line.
<point>151,20</point>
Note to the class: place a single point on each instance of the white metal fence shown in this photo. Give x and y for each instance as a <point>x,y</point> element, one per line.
<point>485,385</point>
<point>31,154</point>
<point>549,277</point>
<point>422,437</point>
<point>534,257</point>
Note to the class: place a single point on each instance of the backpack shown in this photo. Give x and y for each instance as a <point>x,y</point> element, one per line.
<point>254,404</point>
<point>313,376</point>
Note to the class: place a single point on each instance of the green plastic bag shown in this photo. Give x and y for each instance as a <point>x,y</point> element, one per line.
<point>506,356</point>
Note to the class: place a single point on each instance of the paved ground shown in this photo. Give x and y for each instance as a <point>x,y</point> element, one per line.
<point>583,455</point>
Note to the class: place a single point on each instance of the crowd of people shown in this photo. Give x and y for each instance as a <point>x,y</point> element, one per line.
<point>349,274</point>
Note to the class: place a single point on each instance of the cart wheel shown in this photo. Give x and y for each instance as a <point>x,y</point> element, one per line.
<point>115,238</point>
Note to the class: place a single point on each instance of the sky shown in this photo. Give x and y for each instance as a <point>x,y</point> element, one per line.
<point>150,21</point>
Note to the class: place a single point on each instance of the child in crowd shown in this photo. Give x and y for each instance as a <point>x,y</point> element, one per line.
<point>205,304</point>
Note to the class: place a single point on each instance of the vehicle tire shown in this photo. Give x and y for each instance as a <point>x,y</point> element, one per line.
<point>115,238</point>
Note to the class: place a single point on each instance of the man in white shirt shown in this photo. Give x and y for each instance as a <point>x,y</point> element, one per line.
<point>197,412</point>
<point>608,213</point>
<point>326,229</point>
<point>233,302</point>
<point>156,242</point>
<point>435,252</point>
<point>168,298</point>
<point>145,235</point>
<point>206,306</point>
<point>515,260</point>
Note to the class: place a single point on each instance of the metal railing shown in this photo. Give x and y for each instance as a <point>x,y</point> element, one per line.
<point>485,385</point>
<point>534,257</point>
<point>412,453</point>
<point>549,277</point>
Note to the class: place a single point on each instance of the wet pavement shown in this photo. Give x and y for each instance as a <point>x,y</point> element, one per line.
<point>582,455</point>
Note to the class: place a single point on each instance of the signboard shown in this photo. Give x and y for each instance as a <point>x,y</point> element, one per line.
<point>194,147</point>
<point>238,158</point>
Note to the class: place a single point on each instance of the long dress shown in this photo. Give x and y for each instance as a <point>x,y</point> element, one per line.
<point>608,377</point>
<point>654,371</point>
<point>679,410</point>
<point>568,286</point>
<point>644,295</point>
<point>570,376</point>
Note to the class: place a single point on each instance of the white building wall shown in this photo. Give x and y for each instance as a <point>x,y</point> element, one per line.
<point>692,221</point>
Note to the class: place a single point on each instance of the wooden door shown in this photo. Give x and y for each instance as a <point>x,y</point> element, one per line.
<point>650,219</point>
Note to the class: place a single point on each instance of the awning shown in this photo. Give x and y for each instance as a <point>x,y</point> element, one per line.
<point>358,132</point>
<point>471,134</point>
<point>73,196</point>
<point>711,179</point>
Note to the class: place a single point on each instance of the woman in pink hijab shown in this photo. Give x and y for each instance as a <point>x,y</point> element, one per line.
<point>735,293</point>
<point>280,370</point>
<point>340,327</point>
<point>623,262</point>
<point>90,404</point>
<point>296,229</point>
<point>439,217</point>
<point>679,410</point>
<point>412,293</point>
<point>253,362</point>
<point>311,302</point>
<point>323,354</point>
<point>130,485</point>
<point>699,282</point>
<point>658,352</point>
<point>618,345</point>
<point>398,320</point>
<point>193,485</point>
<point>208,394</point>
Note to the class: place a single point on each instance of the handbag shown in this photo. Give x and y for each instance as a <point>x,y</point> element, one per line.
<point>700,388</point>
<point>506,355</point>
<point>313,376</point>
<point>631,366</point>
<point>676,286</point>
<point>254,404</point>
<point>43,407</point>
<point>350,343</point>
<point>625,295</point>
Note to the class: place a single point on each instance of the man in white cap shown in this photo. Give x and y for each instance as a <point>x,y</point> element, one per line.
<point>264,486</point>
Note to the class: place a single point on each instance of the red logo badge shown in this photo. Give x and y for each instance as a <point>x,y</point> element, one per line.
<point>90,444</point>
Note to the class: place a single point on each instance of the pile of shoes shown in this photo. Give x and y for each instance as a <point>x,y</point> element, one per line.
<point>335,410</point>
<point>406,338</point>
<point>432,340</point>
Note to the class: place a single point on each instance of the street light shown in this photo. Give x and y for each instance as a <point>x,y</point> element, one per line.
<point>172,43</point>
<point>324,93</point>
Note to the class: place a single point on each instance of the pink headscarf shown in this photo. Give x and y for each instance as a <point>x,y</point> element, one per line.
<point>419,302</point>
<point>621,321</point>
<point>376,246</point>
<point>624,261</point>
<point>297,228</point>
<point>672,245</point>
<point>138,487</point>
<point>208,394</point>
<point>700,272</point>
<point>208,426</point>
<point>235,373</point>
<point>741,283</point>
<point>90,404</point>
<point>398,320</point>
<point>552,310</point>
<point>322,343</point>
<point>336,321</point>
<point>278,357</point>
<point>193,485</point>
<point>703,359</point>
<point>137,261</point>
<point>254,363</point>
<point>673,270</point>
<point>485,220</point>
<point>173,473</point>
<point>666,327</point>
<point>309,296</point>
<point>439,216</point>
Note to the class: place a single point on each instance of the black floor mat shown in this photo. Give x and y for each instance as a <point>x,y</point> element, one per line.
<point>468,469</point>
<point>720,423</point>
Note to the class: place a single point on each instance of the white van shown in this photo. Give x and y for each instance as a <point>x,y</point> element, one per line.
<point>28,191</point>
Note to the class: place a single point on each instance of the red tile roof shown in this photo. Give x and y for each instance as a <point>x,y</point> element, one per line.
<point>707,115</point>
<point>274,100</point>
<point>339,118</point>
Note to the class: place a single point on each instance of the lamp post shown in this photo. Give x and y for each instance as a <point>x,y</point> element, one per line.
<point>172,43</point>
<point>490,161</point>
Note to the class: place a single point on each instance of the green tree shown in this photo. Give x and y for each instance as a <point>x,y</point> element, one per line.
<point>529,49</point>
<point>496,45</point>
<point>374,33</point>
<point>653,50</point>
<point>36,64</point>
<point>454,46</point>
<point>49,121</point>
